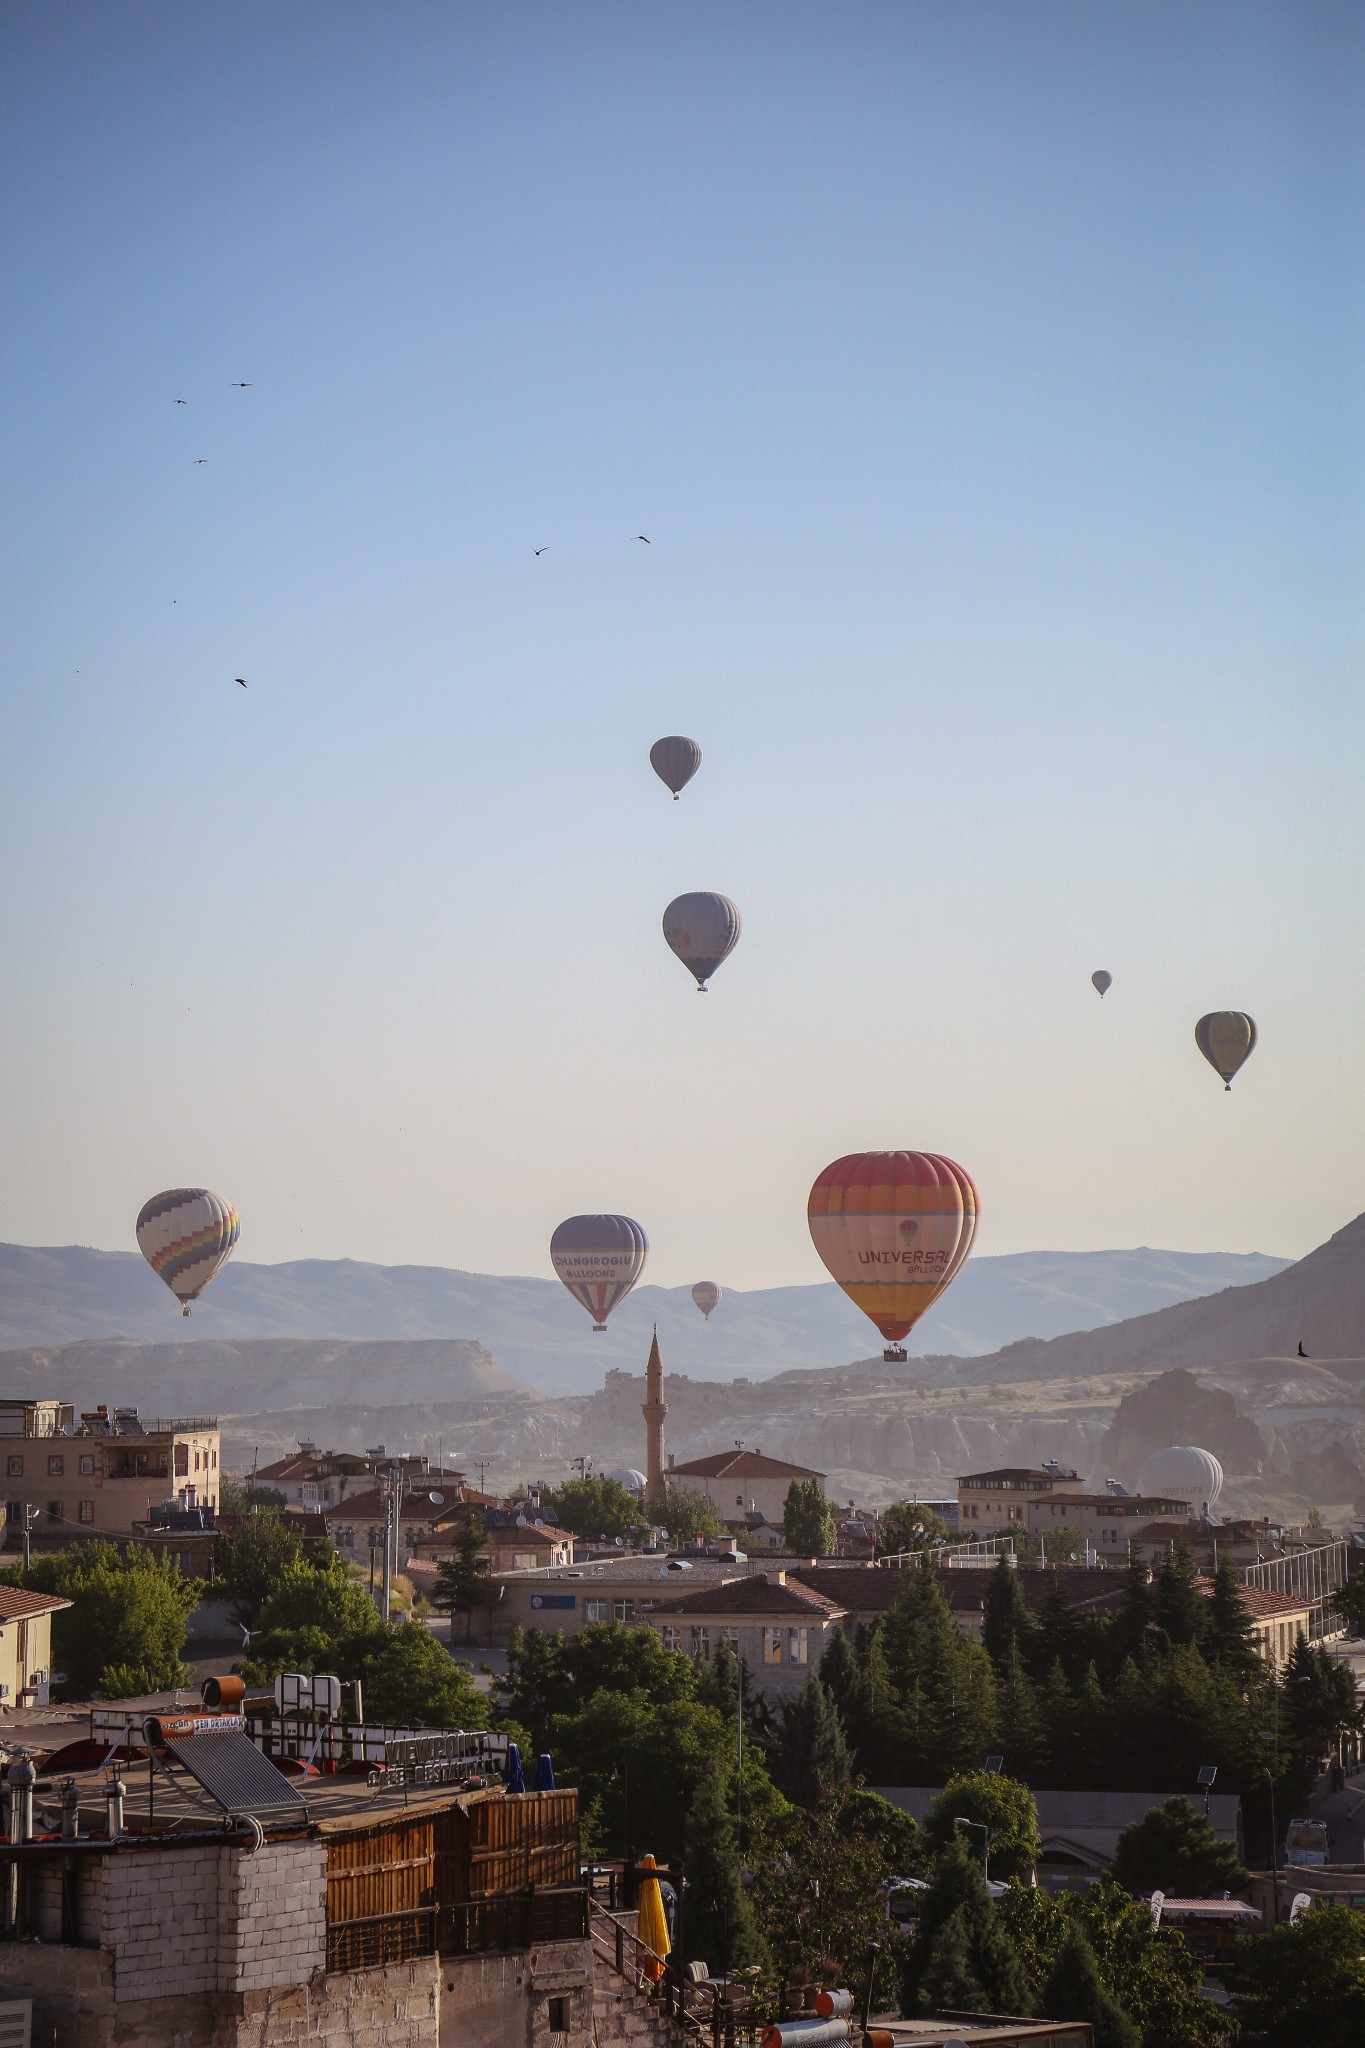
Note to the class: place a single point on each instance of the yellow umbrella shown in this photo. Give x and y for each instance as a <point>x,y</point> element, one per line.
<point>651,1924</point>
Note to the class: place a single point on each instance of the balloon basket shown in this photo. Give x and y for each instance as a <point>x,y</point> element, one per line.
<point>895,1354</point>
<point>599,1327</point>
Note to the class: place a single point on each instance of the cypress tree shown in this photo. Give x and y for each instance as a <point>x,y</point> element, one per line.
<point>811,1758</point>
<point>1075,1991</point>
<point>1178,1608</point>
<point>1005,1623</point>
<point>961,1939</point>
<point>1227,1635</point>
<point>719,1924</point>
<point>1020,1730</point>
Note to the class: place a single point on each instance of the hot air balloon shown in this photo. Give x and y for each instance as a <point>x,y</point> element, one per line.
<point>703,929</point>
<point>675,761</point>
<point>599,1259</point>
<point>707,1295</point>
<point>1227,1039</point>
<point>1183,1472</point>
<point>185,1235</point>
<point>894,1228</point>
<point>1103,980</point>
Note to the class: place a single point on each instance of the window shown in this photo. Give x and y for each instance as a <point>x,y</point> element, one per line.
<point>701,1640</point>
<point>87,1468</point>
<point>55,1511</point>
<point>87,1511</point>
<point>798,1645</point>
<point>56,1467</point>
<point>522,1560</point>
<point>597,1610</point>
<point>731,1636</point>
<point>739,1500</point>
<point>196,1461</point>
<point>214,1456</point>
<point>772,1646</point>
<point>16,1467</point>
<point>623,1610</point>
<point>559,2015</point>
<point>671,1635</point>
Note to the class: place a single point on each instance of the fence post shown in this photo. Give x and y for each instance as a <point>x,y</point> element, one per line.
<point>620,1949</point>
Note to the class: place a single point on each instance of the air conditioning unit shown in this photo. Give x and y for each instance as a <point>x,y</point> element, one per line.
<point>16,2022</point>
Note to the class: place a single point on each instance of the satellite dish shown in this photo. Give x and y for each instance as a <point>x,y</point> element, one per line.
<point>438,1500</point>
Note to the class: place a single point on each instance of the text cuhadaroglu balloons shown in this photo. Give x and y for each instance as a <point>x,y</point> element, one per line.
<point>185,1235</point>
<point>599,1259</point>
<point>894,1228</point>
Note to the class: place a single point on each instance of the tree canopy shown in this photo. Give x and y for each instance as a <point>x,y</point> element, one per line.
<point>807,1524</point>
<point>125,1629</point>
<point>597,1506</point>
<point>994,1802</point>
<point>1174,1849</point>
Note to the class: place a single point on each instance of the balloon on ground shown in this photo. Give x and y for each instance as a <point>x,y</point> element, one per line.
<point>1183,1472</point>
<point>702,929</point>
<point>707,1295</point>
<point>186,1235</point>
<point>1227,1039</point>
<point>894,1229</point>
<point>675,761</point>
<point>599,1259</point>
<point>1103,980</point>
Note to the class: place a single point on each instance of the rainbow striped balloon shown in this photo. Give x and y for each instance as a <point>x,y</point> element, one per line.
<point>185,1235</point>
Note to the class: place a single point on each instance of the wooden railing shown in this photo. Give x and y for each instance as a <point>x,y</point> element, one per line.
<point>513,1920</point>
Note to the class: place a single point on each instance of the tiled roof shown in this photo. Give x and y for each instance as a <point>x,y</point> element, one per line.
<point>17,1603</point>
<point>531,1532</point>
<point>865,1589</point>
<point>1263,1605</point>
<point>758,1595</point>
<point>740,1465</point>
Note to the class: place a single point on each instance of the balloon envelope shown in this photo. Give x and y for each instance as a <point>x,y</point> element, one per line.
<point>702,929</point>
<point>1102,979</point>
<point>1227,1039</point>
<point>1183,1472</point>
<point>894,1228</point>
<point>707,1295</point>
<point>675,760</point>
<point>185,1235</point>
<point>599,1259</point>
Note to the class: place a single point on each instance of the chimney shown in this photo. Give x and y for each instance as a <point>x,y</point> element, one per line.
<point>672,1460</point>
<point>779,1578</point>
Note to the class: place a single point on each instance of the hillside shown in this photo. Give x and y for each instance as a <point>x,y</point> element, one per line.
<point>69,1294</point>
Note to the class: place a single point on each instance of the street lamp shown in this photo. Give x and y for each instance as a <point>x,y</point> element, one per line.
<point>988,1835</point>
<point>1208,1774</point>
<point>995,1764</point>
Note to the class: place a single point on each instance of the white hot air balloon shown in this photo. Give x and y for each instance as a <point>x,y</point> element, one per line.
<point>707,1295</point>
<point>1183,1472</point>
<point>186,1235</point>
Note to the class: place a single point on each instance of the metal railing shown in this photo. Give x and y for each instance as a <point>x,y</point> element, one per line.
<point>381,1938</point>
<point>513,1920</point>
<point>981,1551</point>
<point>1311,1574</point>
<point>622,1950</point>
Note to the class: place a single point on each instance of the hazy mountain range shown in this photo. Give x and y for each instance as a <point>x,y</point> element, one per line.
<point>61,1295</point>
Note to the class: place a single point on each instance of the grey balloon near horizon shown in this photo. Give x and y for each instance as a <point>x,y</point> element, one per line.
<point>702,929</point>
<point>1227,1039</point>
<point>675,760</point>
<point>707,1296</point>
<point>1103,980</point>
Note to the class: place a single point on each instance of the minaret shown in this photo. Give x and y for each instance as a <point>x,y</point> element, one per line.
<point>654,1411</point>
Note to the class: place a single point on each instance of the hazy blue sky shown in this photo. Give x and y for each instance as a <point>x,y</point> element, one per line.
<point>988,379</point>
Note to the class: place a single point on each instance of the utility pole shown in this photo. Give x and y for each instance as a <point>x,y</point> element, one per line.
<point>584,1466</point>
<point>481,1467</point>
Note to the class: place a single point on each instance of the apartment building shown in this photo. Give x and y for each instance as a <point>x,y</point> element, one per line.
<point>740,1483</point>
<point>101,1473</point>
<point>26,1646</point>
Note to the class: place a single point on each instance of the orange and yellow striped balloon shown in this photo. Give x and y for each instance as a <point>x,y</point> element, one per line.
<point>894,1228</point>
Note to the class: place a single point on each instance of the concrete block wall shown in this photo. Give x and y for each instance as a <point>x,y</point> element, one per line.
<point>160,1920</point>
<point>274,1923</point>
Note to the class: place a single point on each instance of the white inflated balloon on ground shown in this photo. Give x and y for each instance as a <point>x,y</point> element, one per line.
<point>1183,1472</point>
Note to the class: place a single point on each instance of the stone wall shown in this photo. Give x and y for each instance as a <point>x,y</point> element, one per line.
<point>503,2001</point>
<point>396,2007</point>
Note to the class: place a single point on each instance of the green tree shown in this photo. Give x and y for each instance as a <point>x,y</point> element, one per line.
<point>125,1629</point>
<point>1303,1982</point>
<point>1227,1638</point>
<point>807,1524</point>
<point>907,1525</point>
<point>811,1760</point>
<point>234,1498</point>
<point>687,1512</point>
<point>960,1947</point>
<point>598,1507</point>
<point>993,1801</point>
<point>942,1685</point>
<point>1318,1699</point>
<point>719,1923</point>
<point>247,1565</point>
<point>1349,1602</point>
<point>816,1894</point>
<point>1174,1849</point>
<point>462,1579</point>
<point>1178,1607</point>
<point>1005,1623</point>
<point>1074,1991</point>
<point>1061,1545</point>
<point>315,1619</point>
<point>1023,1736</point>
<point>1149,1973</point>
<point>550,1674</point>
<point>411,1681</point>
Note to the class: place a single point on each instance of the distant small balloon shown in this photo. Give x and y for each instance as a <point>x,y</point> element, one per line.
<point>1227,1039</point>
<point>675,760</point>
<point>707,1295</point>
<point>186,1235</point>
<point>702,929</point>
<point>1103,980</point>
<point>599,1259</point>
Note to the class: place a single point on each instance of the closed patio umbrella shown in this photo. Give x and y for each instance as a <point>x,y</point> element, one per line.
<point>544,1780</point>
<point>651,1924</point>
<point>512,1780</point>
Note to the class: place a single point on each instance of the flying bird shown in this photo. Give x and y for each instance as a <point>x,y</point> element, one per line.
<point>540,551</point>
<point>198,460</point>
<point>182,401</point>
<point>239,387</point>
<point>241,680</point>
<point>645,538</point>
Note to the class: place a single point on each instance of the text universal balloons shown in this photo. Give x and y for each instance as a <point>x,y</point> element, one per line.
<point>599,1259</point>
<point>1103,980</point>
<point>1227,1039</point>
<point>185,1235</point>
<point>707,1295</point>
<point>675,760</point>
<point>894,1229</point>
<point>702,929</point>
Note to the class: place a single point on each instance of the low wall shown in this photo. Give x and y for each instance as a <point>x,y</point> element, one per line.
<point>503,2001</point>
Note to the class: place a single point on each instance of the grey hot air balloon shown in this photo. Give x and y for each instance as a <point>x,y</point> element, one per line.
<point>703,929</point>
<point>675,760</point>
<point>1227,1039</point>
<point>1103,980</point>
<point>707,1295</point>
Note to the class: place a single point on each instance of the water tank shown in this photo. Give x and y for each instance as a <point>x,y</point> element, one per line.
<point>1183,1472</point>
